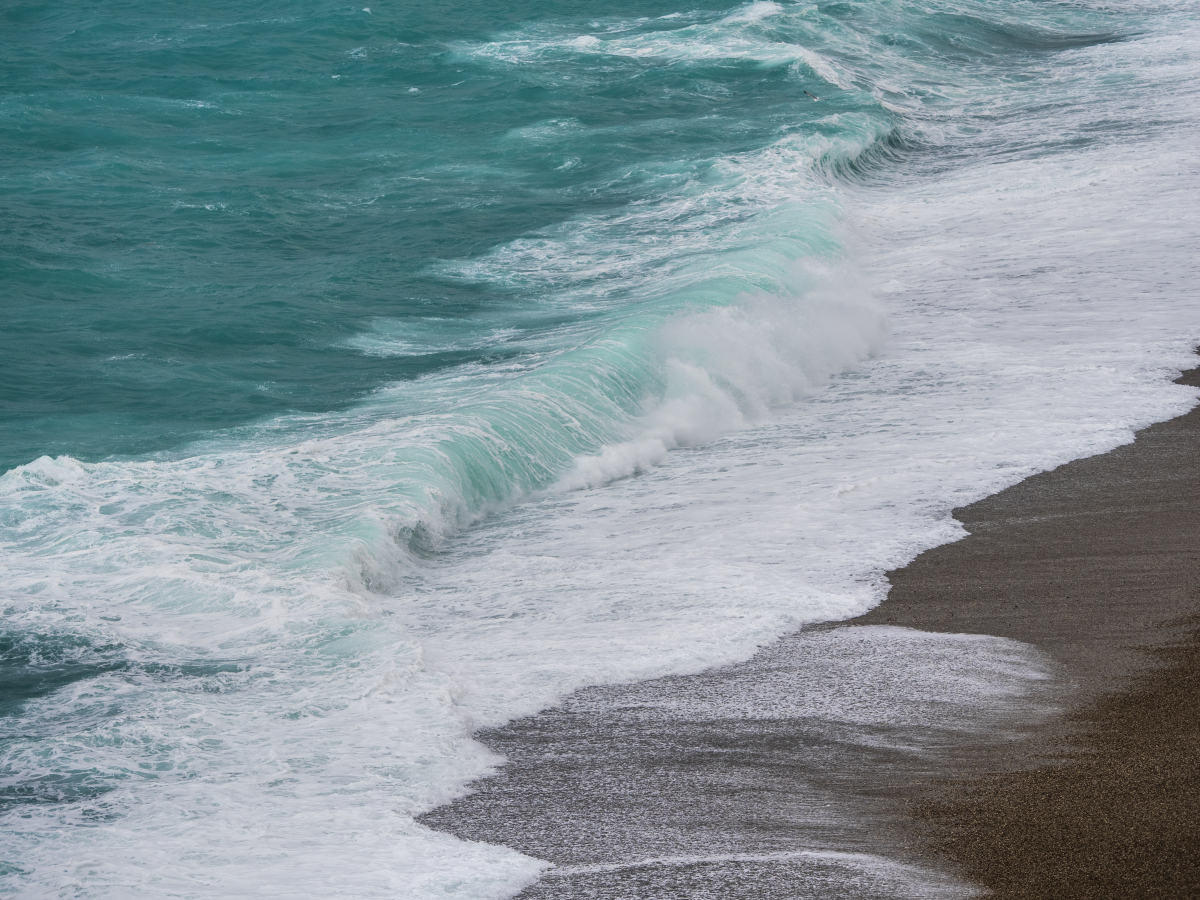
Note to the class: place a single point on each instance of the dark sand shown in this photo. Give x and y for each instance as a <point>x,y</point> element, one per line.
<point>1117,817</point>
<point>1096,564</point>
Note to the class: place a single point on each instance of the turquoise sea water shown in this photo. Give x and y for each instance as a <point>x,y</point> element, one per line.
<point>339,347</point>
<point>205,209</point>
<point>212,217</point>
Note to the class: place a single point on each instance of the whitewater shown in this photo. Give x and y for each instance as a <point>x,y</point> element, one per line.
<point>372,376</point>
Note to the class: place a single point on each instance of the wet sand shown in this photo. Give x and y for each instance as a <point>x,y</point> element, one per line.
<point>1098,563</point>
<point>1115,816</point>
<point>740,781</point>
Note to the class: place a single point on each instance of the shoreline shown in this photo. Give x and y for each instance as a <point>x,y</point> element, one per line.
<point>1088,561</point>
<point>757,780</point>
<point>1107,548</point>
<point>1113,814</point>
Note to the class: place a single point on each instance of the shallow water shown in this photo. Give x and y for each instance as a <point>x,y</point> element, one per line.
<point>785,776</point>
<point>372,376</point>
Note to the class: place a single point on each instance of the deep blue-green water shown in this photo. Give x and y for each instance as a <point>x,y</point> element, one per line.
<point>371,374</point>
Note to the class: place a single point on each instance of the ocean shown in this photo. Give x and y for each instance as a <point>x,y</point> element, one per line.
<point>371,375</point>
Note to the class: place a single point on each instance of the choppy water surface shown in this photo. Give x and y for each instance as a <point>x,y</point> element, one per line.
<point>370,375</point>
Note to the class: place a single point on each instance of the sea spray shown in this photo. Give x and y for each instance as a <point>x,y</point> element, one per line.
<point>726,368</point>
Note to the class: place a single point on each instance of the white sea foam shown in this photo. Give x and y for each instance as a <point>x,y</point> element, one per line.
<point>729,367</point>
<point>407,337</point>
<point>742,35</point>
<point>871,874</point>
